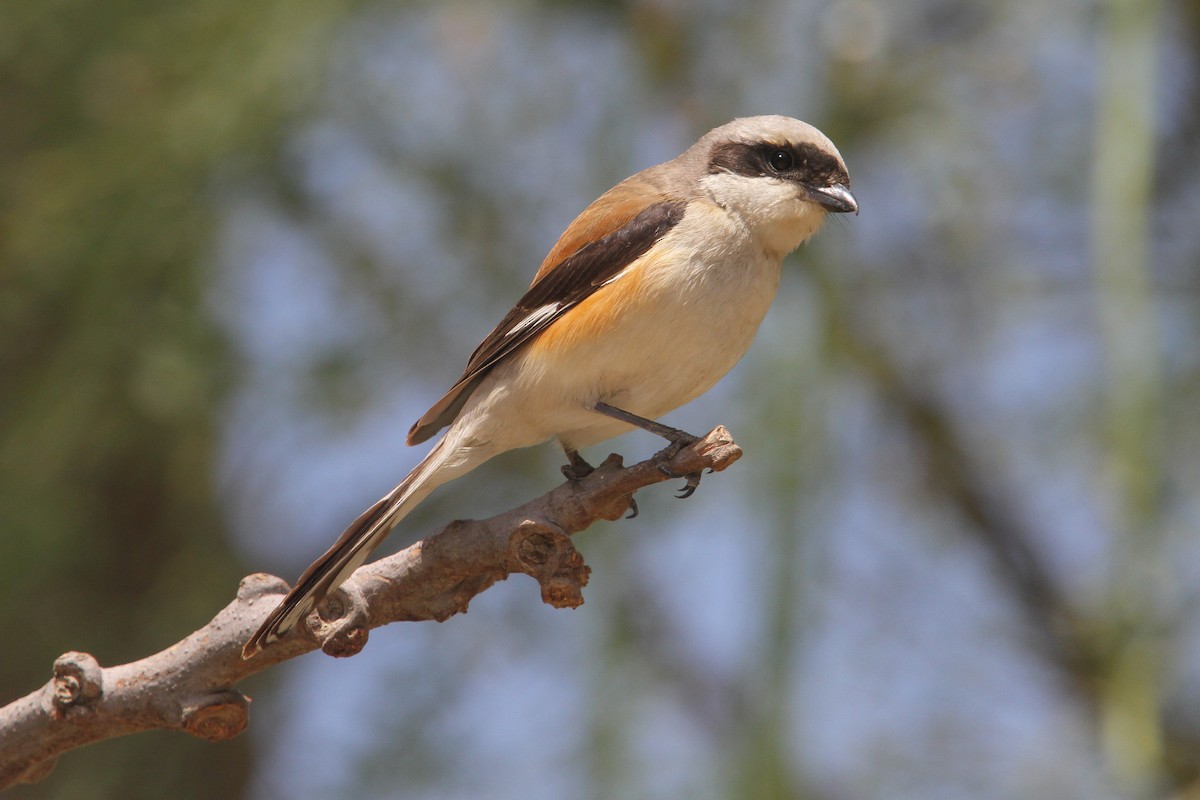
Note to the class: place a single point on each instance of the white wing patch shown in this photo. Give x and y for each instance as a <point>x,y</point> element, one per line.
<point>533,319</point>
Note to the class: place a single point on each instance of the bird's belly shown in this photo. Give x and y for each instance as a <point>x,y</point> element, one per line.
<point>646,345</point>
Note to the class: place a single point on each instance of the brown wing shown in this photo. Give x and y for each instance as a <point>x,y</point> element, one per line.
<point>615,231</point>
<point>608,213</point>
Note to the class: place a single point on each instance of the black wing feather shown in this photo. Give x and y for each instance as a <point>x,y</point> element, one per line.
<point>562,288</point>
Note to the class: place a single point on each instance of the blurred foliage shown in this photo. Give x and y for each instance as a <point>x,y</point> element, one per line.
<point>113,117</point>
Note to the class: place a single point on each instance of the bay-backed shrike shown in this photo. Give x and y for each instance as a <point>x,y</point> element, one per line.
<point>650,296</point>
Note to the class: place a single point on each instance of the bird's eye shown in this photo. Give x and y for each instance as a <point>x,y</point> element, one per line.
<point>781,160</point>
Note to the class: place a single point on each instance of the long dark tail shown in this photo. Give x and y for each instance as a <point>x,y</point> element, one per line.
<point>354,546</point>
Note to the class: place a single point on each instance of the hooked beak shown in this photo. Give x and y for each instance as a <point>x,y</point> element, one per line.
<point>836,199</point>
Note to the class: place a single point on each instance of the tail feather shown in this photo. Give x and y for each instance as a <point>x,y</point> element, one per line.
<point>355,545</point>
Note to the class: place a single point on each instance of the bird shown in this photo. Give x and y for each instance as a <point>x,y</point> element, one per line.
<point>649,297</point>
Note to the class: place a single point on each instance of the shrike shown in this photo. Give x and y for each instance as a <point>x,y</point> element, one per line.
<point>650,296</point>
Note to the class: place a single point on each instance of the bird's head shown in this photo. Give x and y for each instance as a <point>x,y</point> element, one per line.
<point>780,175</point>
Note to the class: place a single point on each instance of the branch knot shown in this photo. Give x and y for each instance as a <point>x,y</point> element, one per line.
<point>78,680</point>
<point>544,552</point>
<point>218,717</point>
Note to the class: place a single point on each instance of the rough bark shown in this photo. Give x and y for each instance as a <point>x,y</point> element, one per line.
<point>190,685</point>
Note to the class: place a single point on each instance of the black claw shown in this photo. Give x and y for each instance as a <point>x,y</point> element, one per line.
<point>689,488</point>
<point>633,509</point>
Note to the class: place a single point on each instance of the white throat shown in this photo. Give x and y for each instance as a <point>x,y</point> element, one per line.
<point>777,216</point>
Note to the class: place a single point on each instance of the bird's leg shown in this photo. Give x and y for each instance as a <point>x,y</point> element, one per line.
<point>579,468</point>
<point>678,439</point>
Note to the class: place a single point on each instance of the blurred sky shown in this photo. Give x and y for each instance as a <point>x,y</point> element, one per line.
<point>822,603</point>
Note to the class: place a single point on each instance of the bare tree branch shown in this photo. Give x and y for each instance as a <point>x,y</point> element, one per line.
<point>189,686</point>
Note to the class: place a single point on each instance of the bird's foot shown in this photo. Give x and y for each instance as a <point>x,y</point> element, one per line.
<point>689,488</point>
<point>679,440</point>
<point>579,468</point>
